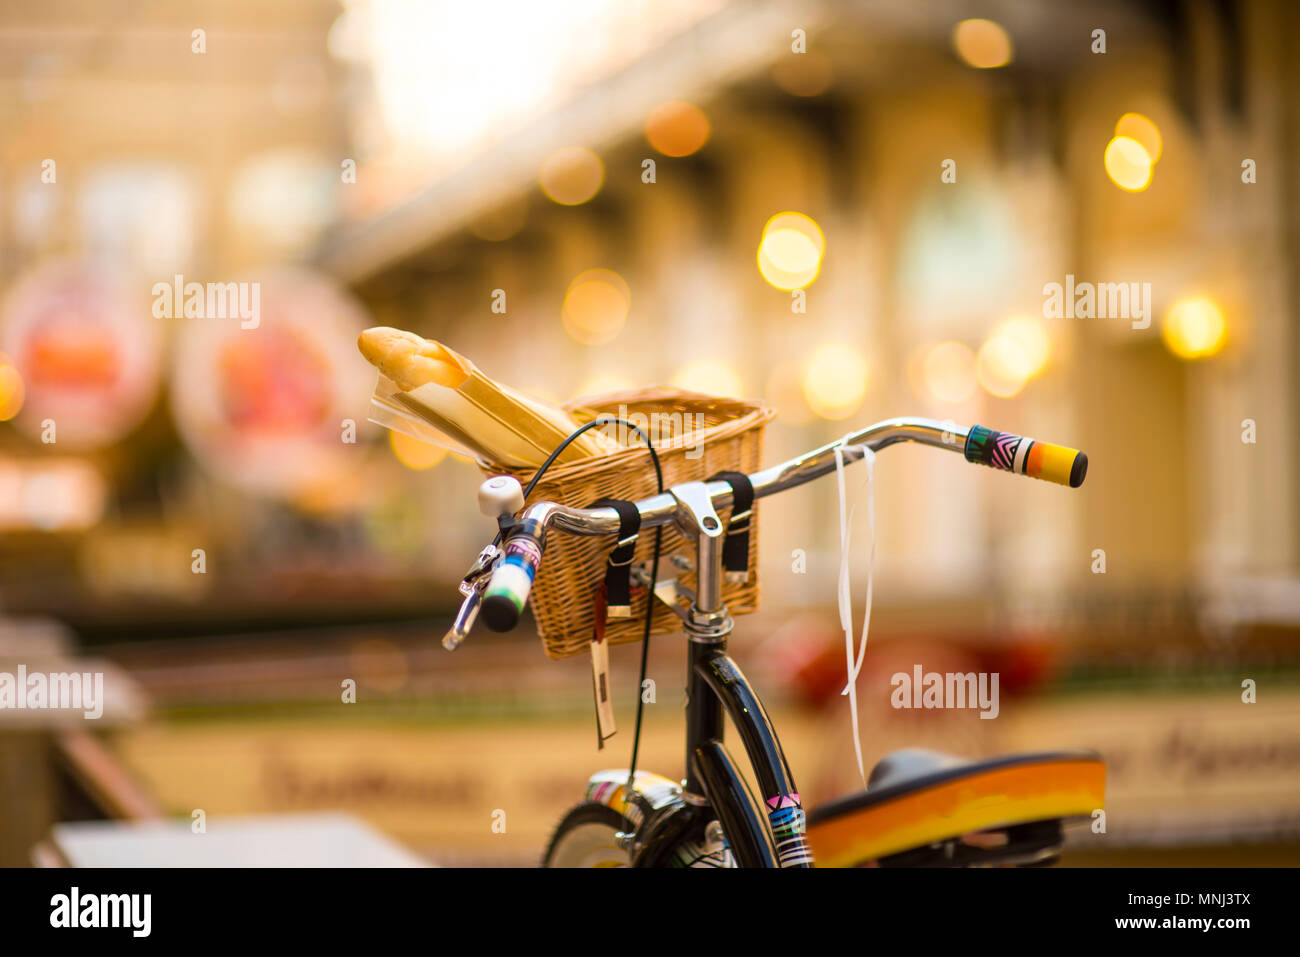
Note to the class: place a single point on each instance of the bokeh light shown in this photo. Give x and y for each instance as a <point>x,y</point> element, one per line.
<point>676,128</point>
<point>1128,164</point>
<point>1194,328</point>
<point>572,175</point>
<point>948,371</point>
<point>1140,128</point>
<point>835,380</point>
<point>712,377</point>
<point>12,390</point>
<point>596,306</point>
<point>1002,367</point>
<point>982,44</point>
<point>791,250</point>
<point>413,453</point>
<point>1032,340</point>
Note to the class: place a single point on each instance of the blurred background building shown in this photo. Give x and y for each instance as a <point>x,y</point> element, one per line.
<point>852,210</point>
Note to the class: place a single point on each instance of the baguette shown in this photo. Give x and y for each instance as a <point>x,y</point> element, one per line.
<point>495,423</point>
<point>410,360</point>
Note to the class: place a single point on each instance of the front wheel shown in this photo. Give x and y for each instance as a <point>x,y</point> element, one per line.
<point>585,838</point>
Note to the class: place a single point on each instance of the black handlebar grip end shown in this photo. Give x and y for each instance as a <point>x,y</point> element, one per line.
<point>499,613</point>
<point>1079,471</point>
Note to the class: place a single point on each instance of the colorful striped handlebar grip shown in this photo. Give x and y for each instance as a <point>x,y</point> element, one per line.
<point>1025,456</point>
<point>507,592</point>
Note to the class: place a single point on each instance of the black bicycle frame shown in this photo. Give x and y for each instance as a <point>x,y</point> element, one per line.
<point>715,685</point>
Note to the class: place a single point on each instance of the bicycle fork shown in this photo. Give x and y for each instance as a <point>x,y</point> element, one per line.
<point>716,686</point>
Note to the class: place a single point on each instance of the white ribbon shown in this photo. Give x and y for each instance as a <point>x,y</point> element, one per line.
<point>854,664</point>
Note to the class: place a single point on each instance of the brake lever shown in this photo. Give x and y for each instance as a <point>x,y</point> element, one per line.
<point>472,587</point>
<point>480,570</point>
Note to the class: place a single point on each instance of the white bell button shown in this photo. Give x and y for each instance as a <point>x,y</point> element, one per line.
<point>500,495</point>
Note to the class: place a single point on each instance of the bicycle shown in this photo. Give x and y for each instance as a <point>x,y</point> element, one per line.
<point>710,818</point>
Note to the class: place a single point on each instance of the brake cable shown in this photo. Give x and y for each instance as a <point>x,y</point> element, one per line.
<point>654,570</point>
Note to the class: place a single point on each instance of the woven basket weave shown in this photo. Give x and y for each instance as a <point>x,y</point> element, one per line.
<point>731,438</point>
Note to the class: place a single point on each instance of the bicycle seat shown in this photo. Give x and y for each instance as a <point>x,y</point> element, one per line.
<point>921,803</point>
<point>901,767</point>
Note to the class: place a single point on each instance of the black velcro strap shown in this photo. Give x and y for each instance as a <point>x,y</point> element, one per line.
<point>735,550</point>
<point>618,569</point>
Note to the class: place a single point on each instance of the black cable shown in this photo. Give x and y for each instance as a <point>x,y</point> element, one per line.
<point>645,646</point>
<point>504,522</point>
<point>654,568</point>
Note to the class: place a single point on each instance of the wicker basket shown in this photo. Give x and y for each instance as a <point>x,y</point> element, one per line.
<point>574,566</point>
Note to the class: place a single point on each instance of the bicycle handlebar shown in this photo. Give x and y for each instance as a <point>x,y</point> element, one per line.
<point>512,581</point>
